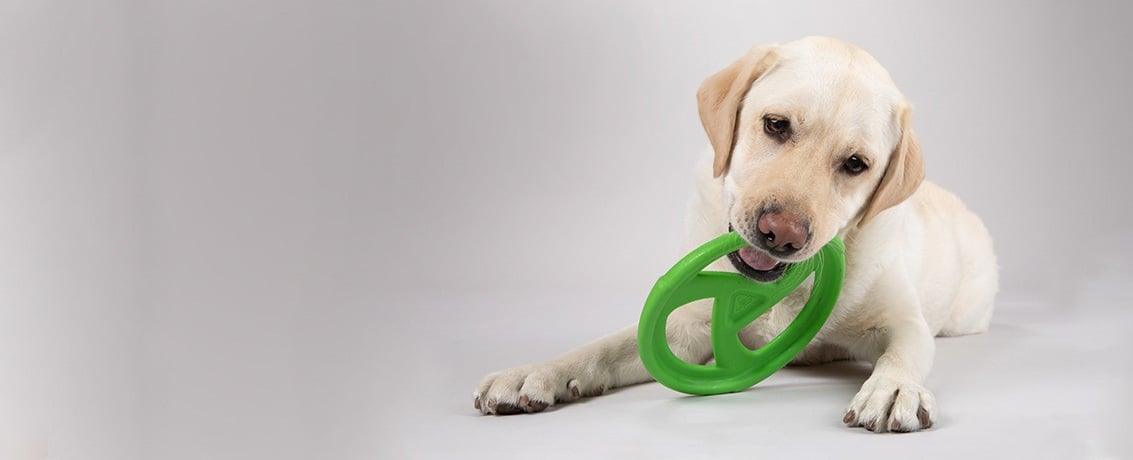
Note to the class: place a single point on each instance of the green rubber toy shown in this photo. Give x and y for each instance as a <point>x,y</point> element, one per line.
<point>737,302</point>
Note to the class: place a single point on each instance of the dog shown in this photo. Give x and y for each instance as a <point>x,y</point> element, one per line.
<point>810,140</point>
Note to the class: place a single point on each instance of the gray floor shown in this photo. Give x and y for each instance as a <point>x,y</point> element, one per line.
<point>1047,381</point>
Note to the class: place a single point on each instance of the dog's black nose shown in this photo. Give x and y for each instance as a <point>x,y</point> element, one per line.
<point>783,233</point>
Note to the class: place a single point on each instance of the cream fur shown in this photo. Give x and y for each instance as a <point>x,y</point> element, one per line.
<point>918,268</point>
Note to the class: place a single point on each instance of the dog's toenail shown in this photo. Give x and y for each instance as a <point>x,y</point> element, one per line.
<point>508,409</point>
<point>849,418</point>
<point>524,401</point>
<point>476,403</point>
<point>922,416</point>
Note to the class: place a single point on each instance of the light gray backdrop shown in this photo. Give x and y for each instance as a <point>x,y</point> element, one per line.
<point>285,229</point>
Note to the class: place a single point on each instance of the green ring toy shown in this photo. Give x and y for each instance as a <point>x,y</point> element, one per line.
<point>737,302</point>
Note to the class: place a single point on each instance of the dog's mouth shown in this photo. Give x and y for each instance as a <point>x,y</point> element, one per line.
<point>757,265</point>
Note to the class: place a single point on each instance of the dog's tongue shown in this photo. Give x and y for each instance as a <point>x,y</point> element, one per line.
<point>757,259</point>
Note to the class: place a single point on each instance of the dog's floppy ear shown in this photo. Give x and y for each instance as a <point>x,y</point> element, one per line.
<point>719,100</point>
<point>903,175</point>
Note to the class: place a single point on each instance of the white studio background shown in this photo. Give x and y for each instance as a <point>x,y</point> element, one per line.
<point>284,229</point>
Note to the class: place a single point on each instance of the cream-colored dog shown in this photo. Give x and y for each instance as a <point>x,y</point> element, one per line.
<point>810,140</point>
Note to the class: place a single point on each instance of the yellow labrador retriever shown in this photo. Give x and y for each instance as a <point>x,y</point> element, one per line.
<point>810,140</point>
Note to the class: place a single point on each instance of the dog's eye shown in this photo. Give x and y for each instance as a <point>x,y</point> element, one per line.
<point>854,165</point>
<point>776,127</point>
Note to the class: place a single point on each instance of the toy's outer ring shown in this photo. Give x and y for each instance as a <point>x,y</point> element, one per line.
<point>737,302</point>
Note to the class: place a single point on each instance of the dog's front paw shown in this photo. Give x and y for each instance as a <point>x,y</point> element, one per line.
<point>527,389</point>
<point>891,404</point>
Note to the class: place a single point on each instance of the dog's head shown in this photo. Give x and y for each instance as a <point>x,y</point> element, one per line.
<point>812,138</point>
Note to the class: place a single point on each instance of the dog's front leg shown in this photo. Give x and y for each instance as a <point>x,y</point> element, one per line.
<point>610,362</point>
<point>901,347</point>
